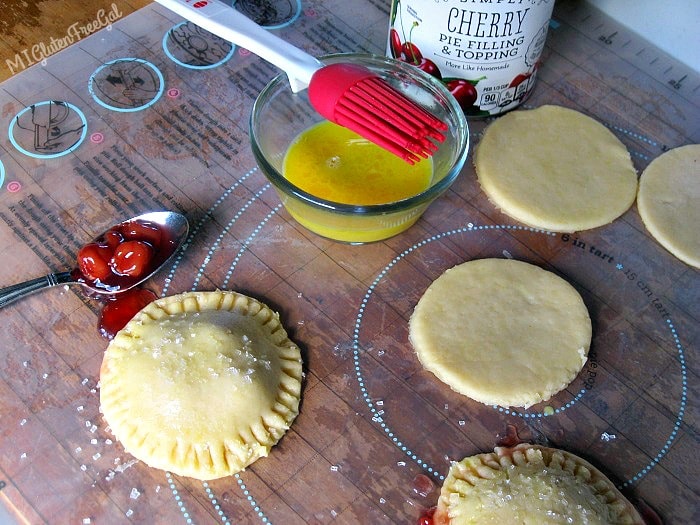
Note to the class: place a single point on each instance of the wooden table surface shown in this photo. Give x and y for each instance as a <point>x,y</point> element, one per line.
<point>376,433</point>
<point>26,24</point>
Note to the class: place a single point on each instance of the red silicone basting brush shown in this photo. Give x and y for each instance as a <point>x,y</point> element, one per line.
<point>349,95</point>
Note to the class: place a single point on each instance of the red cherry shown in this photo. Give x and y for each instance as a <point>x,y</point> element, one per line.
<point>463,91</point>
<point>429,67</point>
<point>112,238</point>
<point>131,258</point>
<point>413,54</point>
<point>141,231</point>
<point>395,43</point>
<point>427,518</point>
<point>426,65</point>
<point>122,308</point>
<point>93,261</point>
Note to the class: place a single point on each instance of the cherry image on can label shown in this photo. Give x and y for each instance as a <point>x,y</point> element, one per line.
<point>486,54</point>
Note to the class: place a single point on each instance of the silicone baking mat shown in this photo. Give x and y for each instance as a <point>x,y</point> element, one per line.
<point>152,113</point>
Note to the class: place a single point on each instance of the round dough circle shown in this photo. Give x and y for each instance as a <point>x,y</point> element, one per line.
<point>201,384</point>
<point>502,332</point>
<point>669,202</point>
<point>532,485</point>
<point>556,169</point>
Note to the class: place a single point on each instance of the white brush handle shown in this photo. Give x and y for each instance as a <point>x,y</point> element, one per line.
<point>229,24</point>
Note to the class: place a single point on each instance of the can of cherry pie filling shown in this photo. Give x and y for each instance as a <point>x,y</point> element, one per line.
<point>487,52</point>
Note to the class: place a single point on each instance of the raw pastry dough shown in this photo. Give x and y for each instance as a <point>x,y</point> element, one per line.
<point>502,332</point>
<point>669,202</point>
<point>555,168</point>
<point>201,384</point>
<point>530,485</point>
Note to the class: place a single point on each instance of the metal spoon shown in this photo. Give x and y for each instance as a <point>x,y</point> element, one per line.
<point>174,223</point>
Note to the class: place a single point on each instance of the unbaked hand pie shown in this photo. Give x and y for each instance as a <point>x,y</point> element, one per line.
<point>201,384</point>
<point>530,485</point>
<point>555,168</point>
<point>669,202</point>
<point>501,331</point>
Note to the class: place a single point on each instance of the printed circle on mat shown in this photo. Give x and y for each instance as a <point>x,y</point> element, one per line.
<point>381,355</point>
<point>669,202</point>
<point>191,46</point>
<point>48,129</point>
<point>271,14</point>
<point>126,84</point>
<point>2,174</point>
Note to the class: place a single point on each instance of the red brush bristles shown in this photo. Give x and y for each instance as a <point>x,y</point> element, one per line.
<point>355,98</point>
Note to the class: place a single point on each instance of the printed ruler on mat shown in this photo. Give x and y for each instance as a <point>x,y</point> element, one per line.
<point>630,46</point>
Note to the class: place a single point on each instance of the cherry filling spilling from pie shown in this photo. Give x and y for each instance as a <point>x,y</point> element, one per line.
<point>120,258</point>
<point>428,517</point>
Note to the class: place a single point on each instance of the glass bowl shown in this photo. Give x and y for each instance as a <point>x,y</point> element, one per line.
<point>279,116</point>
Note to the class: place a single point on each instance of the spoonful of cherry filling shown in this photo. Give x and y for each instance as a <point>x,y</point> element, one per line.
<point>116,261</point>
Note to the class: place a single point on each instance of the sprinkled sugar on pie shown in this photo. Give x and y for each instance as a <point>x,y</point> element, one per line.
<point>530,485</point>
<point>201,384</point>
